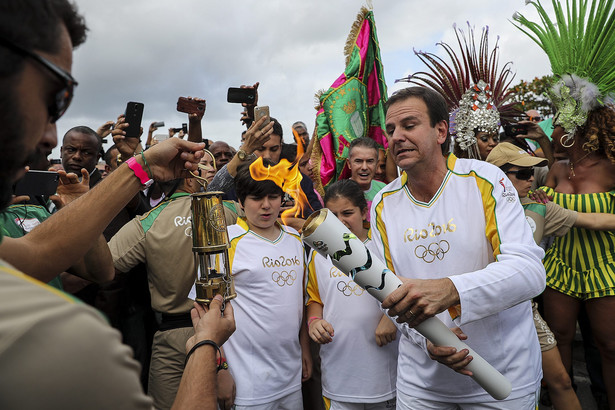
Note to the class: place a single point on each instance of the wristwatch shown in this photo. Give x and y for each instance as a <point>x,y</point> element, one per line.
<point>244,156</point>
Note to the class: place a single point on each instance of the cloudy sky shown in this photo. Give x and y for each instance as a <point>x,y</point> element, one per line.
<point>154,51</point>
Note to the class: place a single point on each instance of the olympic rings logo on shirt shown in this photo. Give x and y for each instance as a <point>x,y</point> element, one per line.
<point>350,288</point>
<point>284,277</point>
<point>434,251</point>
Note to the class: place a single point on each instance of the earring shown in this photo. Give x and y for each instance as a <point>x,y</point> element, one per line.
<point>565,140</point>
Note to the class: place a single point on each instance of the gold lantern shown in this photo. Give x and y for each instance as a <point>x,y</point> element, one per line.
<point>210,245</point>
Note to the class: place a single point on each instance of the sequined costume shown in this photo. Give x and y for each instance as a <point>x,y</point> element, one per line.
<point>581,263</point>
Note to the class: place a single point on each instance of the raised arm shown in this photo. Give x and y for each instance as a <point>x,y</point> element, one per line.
<point>535,133</point>
<point>66,236</point>
<point>195,130</point>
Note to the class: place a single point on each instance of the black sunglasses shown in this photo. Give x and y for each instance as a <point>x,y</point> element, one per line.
<point>64,96</point>
<point>523,174</point>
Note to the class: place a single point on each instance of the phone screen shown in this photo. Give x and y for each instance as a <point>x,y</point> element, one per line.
<point>35,183</point>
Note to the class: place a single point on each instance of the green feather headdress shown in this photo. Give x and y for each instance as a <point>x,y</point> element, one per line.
<point>580,44</point>
<point>477,93</point>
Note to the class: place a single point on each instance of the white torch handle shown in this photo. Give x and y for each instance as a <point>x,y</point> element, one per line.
<point>329,237</point>
<point>483,373</point>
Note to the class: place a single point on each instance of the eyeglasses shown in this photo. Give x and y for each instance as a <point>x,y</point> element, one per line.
<point>523,174</point>
<point>537,118</point>
<point>64,96</point>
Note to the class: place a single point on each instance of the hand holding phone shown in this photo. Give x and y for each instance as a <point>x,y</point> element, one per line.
<point>133,116</point>
<point>260,112</point>
<point>191,105</point>
<point>241,95</point>
<point>70,187</point>
<point>512,130</point>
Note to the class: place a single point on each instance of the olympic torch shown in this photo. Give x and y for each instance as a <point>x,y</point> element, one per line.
<point>330,237</point>
<point>210,246</point>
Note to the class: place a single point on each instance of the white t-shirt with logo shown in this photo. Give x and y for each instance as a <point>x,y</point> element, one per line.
<point>354,368</point>
<point>472,231</point>
<point>264,354</point>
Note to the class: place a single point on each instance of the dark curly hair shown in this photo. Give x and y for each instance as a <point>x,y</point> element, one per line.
<point>599,132</point>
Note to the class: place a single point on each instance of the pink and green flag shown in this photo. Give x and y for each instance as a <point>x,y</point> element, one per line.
<point>353,106</point>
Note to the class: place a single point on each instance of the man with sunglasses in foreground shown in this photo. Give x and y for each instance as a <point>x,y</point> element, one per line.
<point>55,353</point>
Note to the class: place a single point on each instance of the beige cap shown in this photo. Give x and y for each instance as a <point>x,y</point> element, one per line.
<point>507,153</point>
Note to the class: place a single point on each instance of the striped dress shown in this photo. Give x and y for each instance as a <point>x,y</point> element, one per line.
<point>581,263</point>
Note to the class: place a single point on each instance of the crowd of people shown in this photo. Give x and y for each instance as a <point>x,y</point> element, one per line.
<point>97,282</point>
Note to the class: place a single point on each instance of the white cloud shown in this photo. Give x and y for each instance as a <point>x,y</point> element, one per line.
<point>154,51</point>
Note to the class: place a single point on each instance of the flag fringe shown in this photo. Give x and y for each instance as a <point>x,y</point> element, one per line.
<point>354,32</point>
<point>317,103</point>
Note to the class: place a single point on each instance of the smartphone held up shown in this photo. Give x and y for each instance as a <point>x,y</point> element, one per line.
<point>191,106</point>
<point>260,112</point>
<point>512,130</point>
<point>133,116</point>
<point>241,95</point>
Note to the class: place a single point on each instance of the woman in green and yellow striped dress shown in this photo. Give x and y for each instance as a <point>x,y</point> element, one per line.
<point>580,266</point>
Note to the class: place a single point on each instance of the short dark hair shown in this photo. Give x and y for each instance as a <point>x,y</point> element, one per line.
<point>436,106</point>
<point>363,142</point>
<point>246,185</point>
<point>82,129</point>
<point>349,189</point>
<point>108,157</point>
<point>36,25</point>
<point>289,152</point>
<point>277,129</point>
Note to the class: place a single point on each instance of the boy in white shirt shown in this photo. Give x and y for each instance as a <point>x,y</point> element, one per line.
<point>265,355</point>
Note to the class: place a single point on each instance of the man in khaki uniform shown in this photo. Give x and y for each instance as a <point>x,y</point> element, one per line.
<point>162,239</point>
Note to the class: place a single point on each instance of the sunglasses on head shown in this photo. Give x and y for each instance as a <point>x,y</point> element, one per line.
<point>523,174</point>
<point>64,96</point>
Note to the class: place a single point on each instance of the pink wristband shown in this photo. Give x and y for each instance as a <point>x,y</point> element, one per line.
<point>310,320</point>
<point>139,172</point>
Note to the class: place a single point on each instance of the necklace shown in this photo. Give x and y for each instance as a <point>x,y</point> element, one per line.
<point>571,173</point>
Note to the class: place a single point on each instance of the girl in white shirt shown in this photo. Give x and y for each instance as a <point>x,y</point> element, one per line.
<point>359,346</point>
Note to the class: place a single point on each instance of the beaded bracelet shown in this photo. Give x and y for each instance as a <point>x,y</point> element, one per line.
<point>146,164</point>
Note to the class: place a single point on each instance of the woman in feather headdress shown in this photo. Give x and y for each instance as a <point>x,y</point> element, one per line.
<point>477,94</point>
<point>580,266</point>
